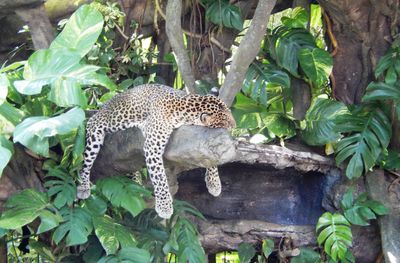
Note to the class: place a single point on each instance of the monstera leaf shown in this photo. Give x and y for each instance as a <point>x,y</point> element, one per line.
<point>320,121</point>
<point>223,13</point>
<point>335,234</point>
<point>369,133</point>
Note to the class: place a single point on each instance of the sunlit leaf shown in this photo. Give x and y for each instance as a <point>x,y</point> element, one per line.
<point>6,151</point>
<point>112,235</point>
<point>22,208</point>
<point>34,132</point>
<point>246,252</point>
<point>316,63</point>
<point>128,255</point>
<point>81,31</point>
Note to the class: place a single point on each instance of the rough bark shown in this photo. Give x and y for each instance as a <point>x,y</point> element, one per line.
<point>175,36</point>
<point>247,51</point>
<point>362,31</point>
<point>39,25</point>
<point>381,189</point>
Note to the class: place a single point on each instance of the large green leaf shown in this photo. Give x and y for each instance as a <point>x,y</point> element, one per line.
<point>67,92</point>
<point>246,252</point>
<point>298,18</point>
<point>335,234</point>
<point>258,76</point>
<point>61,186</point>
<point>34,132</point>
<point>22,208</point>
<point>190,249</point>
<point>320,121</point>
<point>45,66</point>
<point>382,91</point>
<point>370,133</point>
<point>223,13</point>
<point>112,235</point>
<point>286,44</point>
<point>6,151</point>
<point>279,125</point>
<point>360,211</point>
<point>4,83</point>
<point>128,255</point>
<point>11,113</point>
<point>81,31</point>
<point>307,255</point>
<point>317,64</point>
<point>76,227</point>
<point>123,192</point>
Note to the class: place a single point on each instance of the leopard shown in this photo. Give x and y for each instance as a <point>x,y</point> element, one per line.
<point>156,110</point>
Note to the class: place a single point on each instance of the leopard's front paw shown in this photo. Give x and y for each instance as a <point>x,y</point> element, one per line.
<point>83,192</point>
<point>164,207</point>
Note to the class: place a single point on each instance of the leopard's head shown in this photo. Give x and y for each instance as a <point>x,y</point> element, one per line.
<point>210,111</point>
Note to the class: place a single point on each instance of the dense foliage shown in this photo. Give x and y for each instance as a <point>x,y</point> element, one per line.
<point>43,102</point>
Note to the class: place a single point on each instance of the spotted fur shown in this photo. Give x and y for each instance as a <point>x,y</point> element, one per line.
<point>157,110</point>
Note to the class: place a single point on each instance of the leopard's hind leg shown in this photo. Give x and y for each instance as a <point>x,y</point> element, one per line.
<point>94,140</point>
<point>213,182</point>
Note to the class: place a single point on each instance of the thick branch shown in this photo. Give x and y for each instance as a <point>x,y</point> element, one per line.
<point>174,33</point>
<point>247,51</point>
<point>39,25</point>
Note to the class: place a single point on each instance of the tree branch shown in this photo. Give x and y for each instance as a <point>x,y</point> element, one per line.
<point>247,51</point>
<point>174,33</point>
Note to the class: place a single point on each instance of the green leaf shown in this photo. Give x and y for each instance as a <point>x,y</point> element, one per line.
<point>76,227</point>
<point>298,18</point>
<point>320,121</point>
<point>278,124</point>
<point>62,186</point>
<point>384,63</point>
<point>6,151</point>
<point>190,248</point>
<point>48,221</point>
<point>382,91</point>
<point>67,92</point>
<point>4,83</point>
<point>223,13</point>
<point>128,255</point>
<point>335,234</point>
<point>307,255</point>
<point>45,66</point>
<point>11,114</point>
<point>13,66</point>
<point>370,134</point>
<point>96,205</point>
<point>317,64</point>
<point>112,235</point>
<point>81,31</point>
<point>267,247</point>
<point>3,232</point>
<point>286,44</point>
<point>122,192</point>
<point>22,208</point>
<point>34,132</point>
<point>246,252</point>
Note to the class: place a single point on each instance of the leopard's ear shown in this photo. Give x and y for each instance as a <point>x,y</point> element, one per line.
<point>205,118</point>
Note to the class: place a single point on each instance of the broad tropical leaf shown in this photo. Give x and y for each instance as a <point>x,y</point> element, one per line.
<point>4,83</point>
<point>128,255</point>
<point>335,234</point>
<point>61,186</point>
<point>22,208</point>
<point>190,249</point>
<point>112,235</point>
<point>122,192</point>
<point>223,13</point>
<point>246,252</point>
<point>34,132</point>
<point>360,211</point>
<point>76,227</point>
<point>298,18</point>
<point>370,132</point>
<point>257,79</point>
<point>6,151</point>
<point>320,121</point>
<point>81,31</point>
<point>316,63</point>
<point>307,255</point>
<point>286,44</point>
